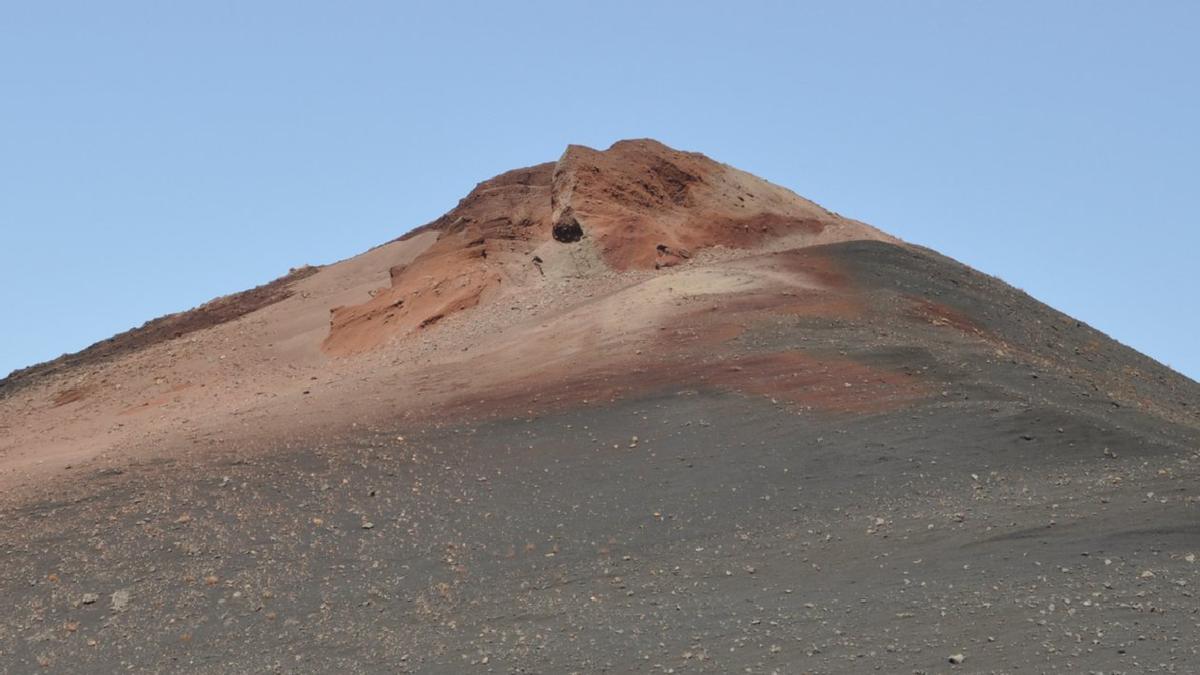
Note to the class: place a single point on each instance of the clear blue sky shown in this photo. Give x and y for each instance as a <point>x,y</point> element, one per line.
<point>154,155</point>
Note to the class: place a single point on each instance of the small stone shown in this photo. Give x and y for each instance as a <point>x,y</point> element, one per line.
<point>120,600</point>
<point>957,659</point>
<point>90,598</point>
<point>368,526</point>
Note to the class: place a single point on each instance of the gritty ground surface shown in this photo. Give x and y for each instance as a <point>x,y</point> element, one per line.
<point>731,534</point>
<point>805,448</point>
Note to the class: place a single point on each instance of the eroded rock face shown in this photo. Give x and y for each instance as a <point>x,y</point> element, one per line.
<point>639,205</point>
<point>641,194</point>
<point>493,229</point>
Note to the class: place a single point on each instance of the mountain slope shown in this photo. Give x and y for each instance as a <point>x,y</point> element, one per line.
<point>630,410</point>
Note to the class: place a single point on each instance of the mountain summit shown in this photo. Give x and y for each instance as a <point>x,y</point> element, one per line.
<point>637,206</point>
<point>632,409</point>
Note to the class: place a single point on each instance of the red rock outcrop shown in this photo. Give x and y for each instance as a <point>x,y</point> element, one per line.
<point>639,205</point>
